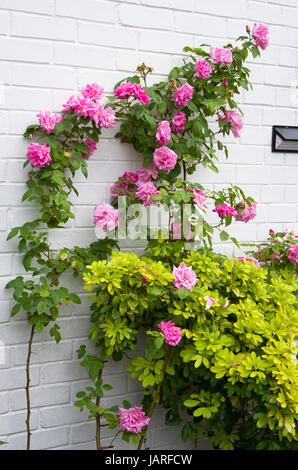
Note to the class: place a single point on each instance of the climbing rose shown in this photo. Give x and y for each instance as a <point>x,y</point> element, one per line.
<point>145,191</point>
<point>81,105</point>
<point>203,68</point>
<point>39,155</point>
<point>105,216</point>
<point>260,33</point>
<point>271,232</point>
<point>209,301</point>
<point>184,277</point>
<point>171,332</point>
<point>224,210</point>
<point>48,120</point>
<point>133,420</point>
<point>234,119</point>
<point>249,258</point>
<point>165,159</point>
<point>183,95</point>
<point>293,253</point>
<point>163,134</point>
<point>91,144</point>
<point>93,91</point>
<point>107,117</point>
<point>221,55</point>
<point>145,174</point>
<point>178,122</point>
<point>246,212</point>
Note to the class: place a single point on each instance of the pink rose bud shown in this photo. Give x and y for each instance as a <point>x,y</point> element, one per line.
<point>209,301</point>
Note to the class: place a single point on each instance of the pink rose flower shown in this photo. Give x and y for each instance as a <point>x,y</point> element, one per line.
<point>246,212</point>
<point>124,91</point>
<point>249,258</point>
<point>221,55</point>
<point>104,117</point>
<point>226,303</point>
<point>224,210</point>
<point>178,122</point>
<point>83,106</point>
<point>184,277</point>
<point>261,34</point>
<point>145,191</point>
<point>165,159</point>
<point>48,120</point>
<point>92,146</point>
<point>133,420</point>
<point>171,332</point>
<point>93,91</point>
<point>235,121</point>
<point>209,301</point>
<point>276,257</point>
<point>183,95</point>
<point>203,68</point>
<point>225,82</point>
<point>130,176</point>
<point>293,253</point>
<point>271,232</point>
<point>200,198</point>
<point>39,155</point>
<point>163,134</point>
<point>141,94</point>
<point>179,229</point>
<point>145,174</point>
<point>105,216</point>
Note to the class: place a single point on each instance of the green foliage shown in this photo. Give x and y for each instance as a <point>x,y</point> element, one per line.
<point>234,371</point>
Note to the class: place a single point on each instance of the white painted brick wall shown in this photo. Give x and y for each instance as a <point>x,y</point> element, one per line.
<point>50,49</point>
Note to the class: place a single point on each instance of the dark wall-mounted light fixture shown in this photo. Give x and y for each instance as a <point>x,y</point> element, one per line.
<point>285,139</point>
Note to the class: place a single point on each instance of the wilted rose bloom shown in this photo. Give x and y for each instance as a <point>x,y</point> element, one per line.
<point>293,253</point>
<point>249,258</point>
<point>200,198</point>
<point>92,146</point>
<point>261,34</point>
<point>224,210</point>
<point>276,257</point>
<point>133,420</point>
<point>178,121</point>
<point>172,333</point>
<point>163,134</point>
<point>145,191</point>
<point>105,216</point>
<point>49,120</point>
<point>221,55</point>
<point>184,277</point>
<point>246,212</point>
<point>234,119</point>
<point>145,174</point>
<point>203,68</point>
<point>183,95</point>
<point>141,94</point>
<point>39,155</point>
<point>93,91</point>
<point>165,159</point>
<point>209,301</point>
